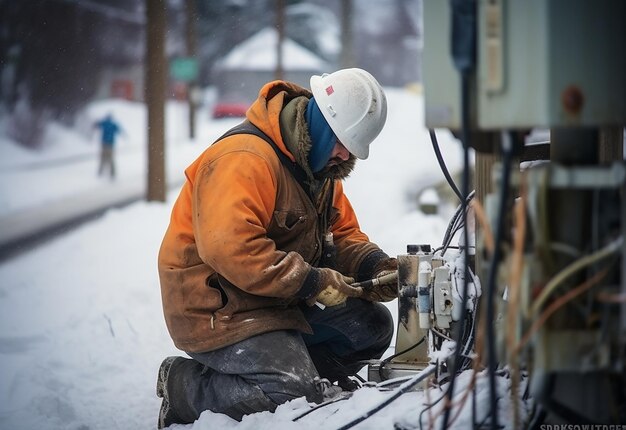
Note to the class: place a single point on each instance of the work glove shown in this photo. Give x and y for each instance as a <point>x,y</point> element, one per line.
<point>385,291</point>
<point>334,288</point>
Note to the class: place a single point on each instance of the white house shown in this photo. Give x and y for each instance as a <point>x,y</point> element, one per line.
<point>241,73</point>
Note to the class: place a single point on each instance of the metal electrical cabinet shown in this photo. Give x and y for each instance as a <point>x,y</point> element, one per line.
<point>556,63</point>
<point>442,89</point>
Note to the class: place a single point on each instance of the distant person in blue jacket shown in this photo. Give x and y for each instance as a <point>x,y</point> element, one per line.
<point>109,129</point>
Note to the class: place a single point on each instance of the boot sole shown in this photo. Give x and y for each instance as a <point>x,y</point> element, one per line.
<point>161,391</point>
<point>164,371</point>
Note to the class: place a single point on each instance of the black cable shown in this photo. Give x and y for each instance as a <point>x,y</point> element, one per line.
<point>442,164</point>
<point>336,399</point>
<point>474,405</point>
<point>460,247</point>
<point>458,224</point>
<point>466,143</point>
<point>482,423</point>
<point>453,225</point>
<point>397,354</point>
<point>507,149</point>
<point>321,405</point>
<point>469,340</point>
<point>343,367</point>
<point>344,397</point>
<point>403,389</point>
<point>456,227</point>
<point>455,217</point>
<point>454,232</point>
<point>357,376</point>
<point>468,344</point>
<point>463,48</point>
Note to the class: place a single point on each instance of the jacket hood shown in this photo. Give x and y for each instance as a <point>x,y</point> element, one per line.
<point>265,111</point>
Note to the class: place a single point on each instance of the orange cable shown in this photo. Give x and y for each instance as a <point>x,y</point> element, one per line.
<point>558,303</point>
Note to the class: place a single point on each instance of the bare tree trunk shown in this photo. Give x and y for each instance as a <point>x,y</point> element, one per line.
<point>280,26</point>
<point>191,53</point>
<point>156,82</point>
<point>347,39</point>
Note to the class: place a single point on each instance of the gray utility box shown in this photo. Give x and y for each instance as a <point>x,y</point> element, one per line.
<point>541,63</point>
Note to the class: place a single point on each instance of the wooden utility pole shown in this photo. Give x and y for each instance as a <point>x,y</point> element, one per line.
<point>347,44</point>
<point>156,82</point>
<point>192,86</point>
<point>280,27</point>
<point>611,144</point>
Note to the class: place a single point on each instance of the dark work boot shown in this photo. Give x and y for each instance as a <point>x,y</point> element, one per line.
<point>348,384</point>
<point>167,416</point>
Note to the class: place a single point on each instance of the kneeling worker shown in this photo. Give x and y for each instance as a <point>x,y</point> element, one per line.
<point>260,233</point>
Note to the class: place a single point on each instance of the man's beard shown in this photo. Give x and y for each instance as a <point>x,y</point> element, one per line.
<point>339,171</point>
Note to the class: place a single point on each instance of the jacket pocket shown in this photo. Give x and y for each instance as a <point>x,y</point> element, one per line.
<point>289,230</point>
<point>296,231</point>
<point>290,220</point>
<point>238,301</point>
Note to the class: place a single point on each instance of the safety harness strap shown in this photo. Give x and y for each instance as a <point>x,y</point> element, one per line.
<point>298,172</point>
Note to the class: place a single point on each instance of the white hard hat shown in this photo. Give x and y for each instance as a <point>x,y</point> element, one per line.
<point>354,105</point>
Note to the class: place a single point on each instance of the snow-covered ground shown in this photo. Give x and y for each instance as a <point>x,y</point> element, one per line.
<point>81,327</point>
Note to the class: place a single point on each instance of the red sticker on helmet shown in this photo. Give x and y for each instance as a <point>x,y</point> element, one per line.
<point>329,90</point>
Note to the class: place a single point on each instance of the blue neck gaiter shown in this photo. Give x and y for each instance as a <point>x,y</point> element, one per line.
<point>322,137</point>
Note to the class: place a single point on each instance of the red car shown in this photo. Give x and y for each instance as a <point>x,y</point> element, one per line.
<point>230,109</point>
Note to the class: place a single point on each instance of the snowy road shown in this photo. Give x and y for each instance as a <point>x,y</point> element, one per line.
<point>51,189</point>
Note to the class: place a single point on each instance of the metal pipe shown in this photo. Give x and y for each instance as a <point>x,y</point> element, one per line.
<point>381,280</point>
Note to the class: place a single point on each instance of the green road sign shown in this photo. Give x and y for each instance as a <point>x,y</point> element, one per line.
<point>184,69</point>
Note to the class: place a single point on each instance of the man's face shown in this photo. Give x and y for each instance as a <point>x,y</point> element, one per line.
<point>340,164</point>
<point>338,155</point>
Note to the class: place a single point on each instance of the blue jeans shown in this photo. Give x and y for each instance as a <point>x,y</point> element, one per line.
<point>261,372</point>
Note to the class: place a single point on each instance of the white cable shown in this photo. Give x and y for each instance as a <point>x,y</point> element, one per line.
<point>608,250</point>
